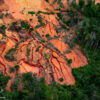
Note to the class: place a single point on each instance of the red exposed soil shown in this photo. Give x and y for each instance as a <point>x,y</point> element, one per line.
<point>51,61</point>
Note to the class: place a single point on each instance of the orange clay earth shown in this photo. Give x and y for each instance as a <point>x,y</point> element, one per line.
<point>43,51</point>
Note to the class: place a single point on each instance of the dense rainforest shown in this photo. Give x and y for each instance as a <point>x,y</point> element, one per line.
<point>84,20</point>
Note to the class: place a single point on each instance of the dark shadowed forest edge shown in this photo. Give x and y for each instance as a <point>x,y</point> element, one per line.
<point>84,19</point>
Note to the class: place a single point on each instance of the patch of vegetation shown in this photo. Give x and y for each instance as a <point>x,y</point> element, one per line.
<point>69,61</point>
<point>45,55</point>
<point>37,49</point>
<point>15,27</point>
<point>25,25</point>
<point>31,29</point>
<point>47,1</point>
<point>61,79</point>
<point>3,81</point>
<point>31,19</point>
<point>11,69</point>
<point>15,84</point>
<point>87,77</point>
<point>1,16</point>
<point>48,13</point>
<point>28,52</point>
<point>64,21</point>
<point>87,27</point>
<point>42,40</point>
<point>47,35</point>
<point>10,54</point>
<point>60,16</point>
<point>31,12</point>
<point>16,67</point>
<point>15,23</point>
<point>40,21</point>
<point>2,29</point>
<point>60,3</point>
<point>64,27</point>
<point>7,14</point>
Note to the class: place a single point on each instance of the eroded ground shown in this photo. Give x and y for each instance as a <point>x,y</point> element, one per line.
<point>36,42</point>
